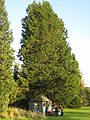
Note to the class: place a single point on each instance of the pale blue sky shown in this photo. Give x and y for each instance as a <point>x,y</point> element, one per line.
<point>75,14</point>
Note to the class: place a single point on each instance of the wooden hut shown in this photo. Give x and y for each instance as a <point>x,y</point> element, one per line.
<point>36,103</point>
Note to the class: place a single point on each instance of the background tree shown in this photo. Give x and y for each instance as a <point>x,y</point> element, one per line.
<point>6,58</point>
<point>16,74</point>
<point>48,63</point>
<point>21,87</point>
<point>79,100</point>
<point>87,96</point>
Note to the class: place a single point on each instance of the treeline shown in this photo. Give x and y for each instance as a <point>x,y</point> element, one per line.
<point>48,65</point>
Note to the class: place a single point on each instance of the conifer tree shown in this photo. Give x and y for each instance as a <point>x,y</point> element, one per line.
<point>6,58</point>
<point>48,63</point>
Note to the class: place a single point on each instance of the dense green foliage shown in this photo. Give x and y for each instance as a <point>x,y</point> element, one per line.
<point>6,59</point>
<point>22,84</point>
<point>49,66</point>
<point>87,96</point>
<point>48,63</point>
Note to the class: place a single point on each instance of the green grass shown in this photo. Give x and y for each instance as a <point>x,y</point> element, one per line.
<point>73,114</point>
<point>69,114</point>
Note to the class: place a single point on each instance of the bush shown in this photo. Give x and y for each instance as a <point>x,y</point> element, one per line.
<point>21,114</point>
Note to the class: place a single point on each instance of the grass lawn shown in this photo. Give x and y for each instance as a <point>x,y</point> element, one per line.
<point>69,114</point>
<point>73,114</point>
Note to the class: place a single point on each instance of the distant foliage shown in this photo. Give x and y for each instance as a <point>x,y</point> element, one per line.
<point>48,63</point>
<point>21,87</point>
<point>87,96</point>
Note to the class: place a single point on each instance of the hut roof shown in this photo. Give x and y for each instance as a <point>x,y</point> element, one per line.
<point>40,98</point>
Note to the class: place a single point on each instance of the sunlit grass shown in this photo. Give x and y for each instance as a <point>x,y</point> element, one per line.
<point>73,114</point>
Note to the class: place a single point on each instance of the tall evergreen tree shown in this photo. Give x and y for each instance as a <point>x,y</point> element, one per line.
<point>48,63</point>
<point>6,58</point>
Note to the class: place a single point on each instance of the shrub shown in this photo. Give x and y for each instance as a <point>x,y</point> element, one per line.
<point>21,114</point>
